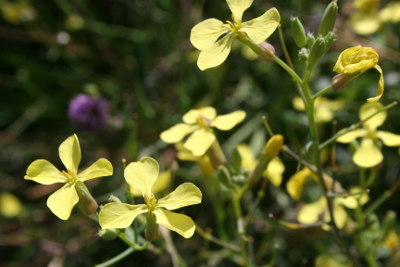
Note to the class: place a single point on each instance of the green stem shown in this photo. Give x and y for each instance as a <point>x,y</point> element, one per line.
<point>116,258</point>
<point>215,240</point>
<point>323,91</point>
<point>240,227</point>
<point>284,49</point>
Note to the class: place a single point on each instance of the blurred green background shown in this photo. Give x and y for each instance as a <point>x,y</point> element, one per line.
<point>137,55</point>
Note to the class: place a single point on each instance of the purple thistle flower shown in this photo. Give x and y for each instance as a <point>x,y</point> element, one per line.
<point>88,112</point>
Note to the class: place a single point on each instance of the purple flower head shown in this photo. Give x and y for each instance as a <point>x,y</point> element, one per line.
<point>88,112</point>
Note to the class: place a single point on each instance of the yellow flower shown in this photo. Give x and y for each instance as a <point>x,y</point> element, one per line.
<point>142,175</point>
<point>203,162</point>
<point>353,62</point>
<point>197,122</point>
<point>310,213</point>
<point>296,182</point>
<point>369,154</point>
<point>215,38</point>
<point>10,206</point>
<point>324,108</point>
<point>273,172</point>
<point>64,199</point>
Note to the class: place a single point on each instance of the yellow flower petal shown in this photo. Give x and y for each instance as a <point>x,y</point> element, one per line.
<point>62,201</point>
<point>100,168</point>
<point>43,172</point>
<point>379,92</point>
<point>184,195</point>
<point>199,142</point>
<point>368,154</point>
<point>10,206</point>
<point>206,33</point>
<point>216,54</point>
<point>350,136</point>
<point>351,202</point>
<point>275,171</point>
<point>261,28</point>
<point>176,133</point>
<point>119,215</point>
<point>162,182</point>
<point>142,174</point>
<point>309,213</point>
<point>364,24</point>
<point>339,213</point>
<point>389,139</point>
<point>298,103</point>
<point>356,59</point>
<point>70,153</point>
<point>248,160</point>
<point>239,6</point>
<point>191,116</point>
<point>295,184</point>
<point>228,121</point>
<point>391,12</point>
<point>367,110</point>
<point>179,223</point>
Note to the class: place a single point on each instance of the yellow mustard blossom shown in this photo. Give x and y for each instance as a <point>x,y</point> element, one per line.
<point>197,122</point>
<point>64,199</point>
<point>353,62</point>
<point>324,108</point>
<point>296,182</point>
<point>214,38</point>
<point>368,154</point>
<point>142,175</point>
<point>273,172</point>
<point>311,213</point>
<point>10,206</point>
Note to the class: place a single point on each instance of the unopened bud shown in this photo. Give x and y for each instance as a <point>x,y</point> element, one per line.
<point>303,53</point>
<point>298,32</point>
<point>329,38</point>
<point>108,234</point>
<point>273,146</point>
<point>151,233</point>
<point>328,19</point>
<point>317,50</point>
<point>86,201</point>
<point>310,39</point>
<point>236,160</point>
<point>341,80</point>
<point>268,51</point>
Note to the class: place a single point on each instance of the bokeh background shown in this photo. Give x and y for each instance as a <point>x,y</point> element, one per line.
<point>136,55</point>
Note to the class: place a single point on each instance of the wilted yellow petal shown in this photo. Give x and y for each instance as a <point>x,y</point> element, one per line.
<point>296,183</point>
<point>379,92</point>
<point>389,139</point>
<point>10,206</point>
<point>43,172</point>
<point>275,171</point>
<point>238,7</point>
<point>191,116</point>
<point>228,121</point>
<point>350,136</point>
<point>248,160</point>
<point>309,213</point>
<point>179,223</point>
<point>261,28</point>
<point>184,195</point>
<point>62,201</point>
<point>142,174</point>
<point>100,168</point>
<point>176,133</point>
<point>119,215</point>
<point>206,33</point>
<point>367,110</point>
<point>368,154</point>
<point>70,153</point>
<point>356,59</point>
<point>199,142</point>
<point>358,196</point>
<point>391,12</point>
<point>216,54</point>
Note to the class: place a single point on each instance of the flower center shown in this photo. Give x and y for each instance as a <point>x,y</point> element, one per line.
<point>235,26</point>
<point>203,122</point>
<point>71,176</point>
<point>151,202</point>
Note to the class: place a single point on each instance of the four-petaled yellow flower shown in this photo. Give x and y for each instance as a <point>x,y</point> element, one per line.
<point>142,175</point>
<point>198,122</point>
<point>353,62</point>
<point>64,199</point>
<point>215,38</point>
<point>368,154</point>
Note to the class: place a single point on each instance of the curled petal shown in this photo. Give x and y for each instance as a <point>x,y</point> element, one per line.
<point>119,215</point>
<point>70,153</point>
<point>228,121</point>
<point>356,59</point>
<point>179,223</point>
<point>261,28</point>
<point>43,172</point>
<point>199,142</point>
<point>350,136</point>
<point>191,116</point>
<point>62,201</point>
<point>238,7</point>
<point>379,92</point>
<point>176,133</point>
<point>142,174</point>
<point>184,195</point>
<point>368,154</point>
<point>206,33</point>
<point>216,54</point>
<point>309,213</point>
<point>296,183</point>
<point>100,168</point>
<point>389,139</point>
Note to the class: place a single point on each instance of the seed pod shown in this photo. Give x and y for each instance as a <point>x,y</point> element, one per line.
<point>298,32</point>
<point>328,19</point>
<point>317,50</point>
<point>108,234</point>
<point>151,233</point>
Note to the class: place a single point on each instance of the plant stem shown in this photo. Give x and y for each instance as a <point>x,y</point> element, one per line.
<point>240,229</point>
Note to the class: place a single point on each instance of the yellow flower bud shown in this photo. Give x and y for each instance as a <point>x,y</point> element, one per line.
<point>273,146</point>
